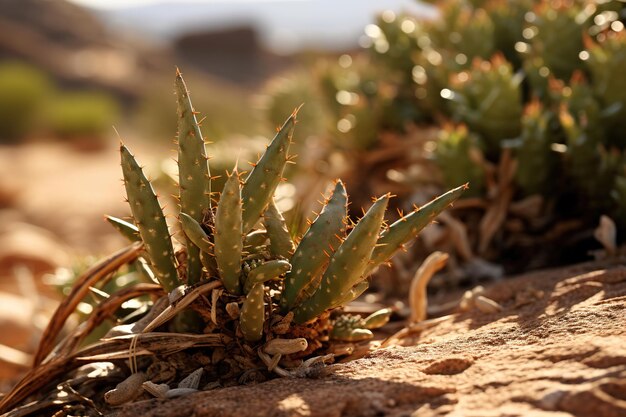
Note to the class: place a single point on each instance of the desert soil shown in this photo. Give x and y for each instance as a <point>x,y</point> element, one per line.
<point>558,348</point>
<point>52,200</point>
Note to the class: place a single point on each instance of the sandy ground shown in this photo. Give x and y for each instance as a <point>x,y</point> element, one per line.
<point>558,348</point>
<point>53,198</point>
<point>67,191</point>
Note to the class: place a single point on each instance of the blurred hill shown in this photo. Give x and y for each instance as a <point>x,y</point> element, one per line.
<point>284,26</point>
<point>120,49</point>
<point>75,47</point>
<point>234,54</point>
<point>80,49</point>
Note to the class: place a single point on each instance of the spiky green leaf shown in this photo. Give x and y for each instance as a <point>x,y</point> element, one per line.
<point>193,171</point>
<point>408,227</point>
<point>195,233</point>
<point>262,181</point>
<point>126,229</point>
<point>150,221</point>
<point>281,244</point>
<point>348,264</point>
<point>252,314</point>
<point>323,237</point>
<point>227,234</point>
<point>265,272</point>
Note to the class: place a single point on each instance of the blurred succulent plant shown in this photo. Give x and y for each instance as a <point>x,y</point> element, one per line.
<point>508,18</point>
<point>606,61</point>
<point>363,101</point>
<point>463,30</point>
<point>537,162</point>
<point>23,92</point>
<point>82,114</point>
<point>270,296</point>
<point>488,99</point>
<point>285,93</point>
<point>554,31</point>
<point>540,81</point>
<point>458,156</point>
<point>394,40</point>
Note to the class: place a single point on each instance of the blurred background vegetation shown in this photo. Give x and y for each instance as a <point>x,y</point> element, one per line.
<point>523,99</point>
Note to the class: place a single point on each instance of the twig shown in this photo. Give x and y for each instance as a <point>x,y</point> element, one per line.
<point>101,313</point>
<point>417,294</point>
<point>182,303</point>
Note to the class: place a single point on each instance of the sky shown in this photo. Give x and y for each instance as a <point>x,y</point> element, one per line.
<point>120,4</point>
<point>284,26</point>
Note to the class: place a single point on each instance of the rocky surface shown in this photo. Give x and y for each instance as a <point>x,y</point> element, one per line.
<point>556,349</point>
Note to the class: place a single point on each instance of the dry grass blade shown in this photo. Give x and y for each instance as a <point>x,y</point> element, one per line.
<point>96,273</point>
<point>114,348</point>
<point>458,234</point>
<point>33,381</point>
<point>119,347</point>
<point>65,396</point>
<point>138,326</point>
<point>494,218</point>
<point>101,313</point>
<point>180,304</point>
<point>498,208</point>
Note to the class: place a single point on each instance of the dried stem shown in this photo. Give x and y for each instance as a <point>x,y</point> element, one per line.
<point>99,272</point>
<point>417,294</point>
<point>101,313</point>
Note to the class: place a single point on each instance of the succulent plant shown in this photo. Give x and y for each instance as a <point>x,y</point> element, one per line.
<point>465,31</point>
<point>354,328</point>
<point>488,99</point>
<point>458,156</point>
<point>606,60</point>
<point>224,242</point>
<point>269,296</point>
<point>23,93</point>
<point>508,18</point>
<point>284,93</point>
<point>355,99</point>
<point>537,163</point>
<point>394,40</point>
<point>555,31</point>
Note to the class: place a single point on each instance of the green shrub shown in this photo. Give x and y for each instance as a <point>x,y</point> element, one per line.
<point>23,92</point>
<point>81,114</point>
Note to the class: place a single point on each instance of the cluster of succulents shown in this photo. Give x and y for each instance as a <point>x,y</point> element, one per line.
<point>259,299</point>
<point>540,80</point>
